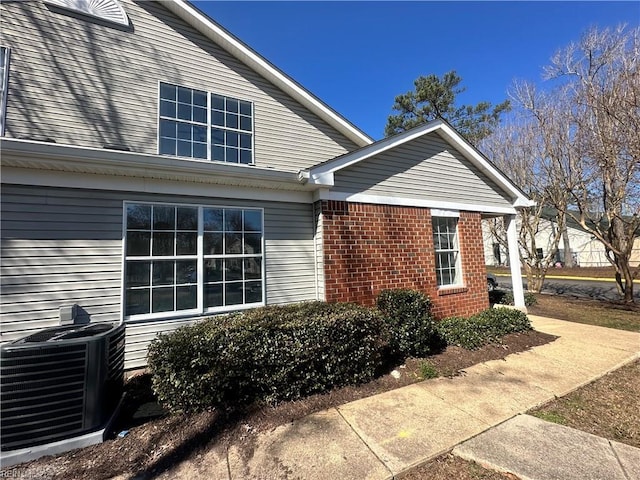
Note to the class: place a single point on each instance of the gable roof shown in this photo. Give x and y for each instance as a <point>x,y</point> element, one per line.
<point>323,173</point>
<point>205,25</point>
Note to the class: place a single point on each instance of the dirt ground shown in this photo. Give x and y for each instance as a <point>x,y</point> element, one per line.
<point>449,467</point>
<point>157,441</point>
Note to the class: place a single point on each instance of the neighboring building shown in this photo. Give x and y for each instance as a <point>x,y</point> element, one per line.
<point>586,250</point>
<point>156,170</point>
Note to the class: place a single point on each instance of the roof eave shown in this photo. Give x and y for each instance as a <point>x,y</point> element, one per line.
<point>472,154</point>
<point>323,173</point>
<point>86,160</point>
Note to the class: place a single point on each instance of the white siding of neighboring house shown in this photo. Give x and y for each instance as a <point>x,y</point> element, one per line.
<point>587,250</point>
<point>82,83</point>
<point>62,246</point>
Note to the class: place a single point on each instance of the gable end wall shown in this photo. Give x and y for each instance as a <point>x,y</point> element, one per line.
<point>426,168</point>
<point>82,83</point>
<point>368,248</point>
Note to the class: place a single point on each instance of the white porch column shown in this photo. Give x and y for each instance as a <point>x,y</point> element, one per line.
<point>514,262</point>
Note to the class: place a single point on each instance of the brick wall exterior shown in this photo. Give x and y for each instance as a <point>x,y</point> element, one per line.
<point>368,248</point>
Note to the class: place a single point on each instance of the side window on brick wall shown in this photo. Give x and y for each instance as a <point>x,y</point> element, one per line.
<point>447,251</point>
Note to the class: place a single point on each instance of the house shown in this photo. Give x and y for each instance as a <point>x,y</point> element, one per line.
<point>156,170</point>
<point>586,250</point>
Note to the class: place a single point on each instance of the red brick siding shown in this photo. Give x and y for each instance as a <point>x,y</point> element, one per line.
<point>368,248</point>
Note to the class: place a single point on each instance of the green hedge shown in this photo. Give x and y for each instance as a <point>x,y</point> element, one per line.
<point>486,327</point>
<point>411,326</point>
<point>270,354</point>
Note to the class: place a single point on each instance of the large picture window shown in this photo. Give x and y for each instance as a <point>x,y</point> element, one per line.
<point>199,124</point>
<point>445,240</point>
<point>186,259</point>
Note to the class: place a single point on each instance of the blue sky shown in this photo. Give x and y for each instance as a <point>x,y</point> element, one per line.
<point>357,56</point>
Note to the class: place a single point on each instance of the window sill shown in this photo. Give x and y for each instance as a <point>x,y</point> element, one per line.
<point>191,314</point>
<point>452,290</point>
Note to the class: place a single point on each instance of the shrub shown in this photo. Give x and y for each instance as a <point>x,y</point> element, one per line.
<point>506,298</point>
<point>486,327</point>
<point>272,354</point>
<point>411,326</point>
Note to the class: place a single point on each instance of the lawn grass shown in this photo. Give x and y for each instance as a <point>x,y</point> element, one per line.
<point>592,312</point>
<point>590,272</point>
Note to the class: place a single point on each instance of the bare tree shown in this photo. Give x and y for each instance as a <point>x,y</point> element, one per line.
<point>518,149</point>
<point>576,149</point>
<point>600,89</point>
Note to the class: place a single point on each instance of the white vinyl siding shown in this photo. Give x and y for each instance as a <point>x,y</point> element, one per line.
<point>427,168</point>
<point>62,246</point>
<point>85,84</point>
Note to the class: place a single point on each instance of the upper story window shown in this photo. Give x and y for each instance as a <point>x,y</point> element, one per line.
<point>445,240</point>
<point>4,81</point>
<point>200,124</point>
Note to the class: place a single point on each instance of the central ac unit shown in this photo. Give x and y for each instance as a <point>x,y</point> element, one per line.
<point>59,383</point>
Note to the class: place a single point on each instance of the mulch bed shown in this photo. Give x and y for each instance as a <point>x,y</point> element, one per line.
<point>157,441</point>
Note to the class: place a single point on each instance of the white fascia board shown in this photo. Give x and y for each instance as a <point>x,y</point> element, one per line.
<point>55,157</point>
<point>242,52</point>
<point>325,179</point>
<point>160,187</point>
<point>450,135</point>
<point>321,172</point>
<point>411,202</point>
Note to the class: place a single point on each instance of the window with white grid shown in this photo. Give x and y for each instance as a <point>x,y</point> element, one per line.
<point>445,240</point>
<point>191,259</point>
<point>200,124</point>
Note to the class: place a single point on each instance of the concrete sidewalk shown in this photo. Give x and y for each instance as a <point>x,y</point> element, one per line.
<point>382,436</point>
<point>534,449</point>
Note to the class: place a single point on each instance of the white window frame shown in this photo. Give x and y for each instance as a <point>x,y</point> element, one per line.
<point>436,217</point>
<point>4,86</point>
<point>200,258</point>
<point>210,126</point>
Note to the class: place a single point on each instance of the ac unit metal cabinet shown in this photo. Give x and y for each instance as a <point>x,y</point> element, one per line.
<point>60,383</point>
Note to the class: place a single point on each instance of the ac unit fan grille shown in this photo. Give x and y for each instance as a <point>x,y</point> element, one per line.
<point>35,382</point>
<point>65,385</point>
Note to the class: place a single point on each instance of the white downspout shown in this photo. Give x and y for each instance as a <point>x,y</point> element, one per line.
<point>316,223</point>
<point>514,262</point>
